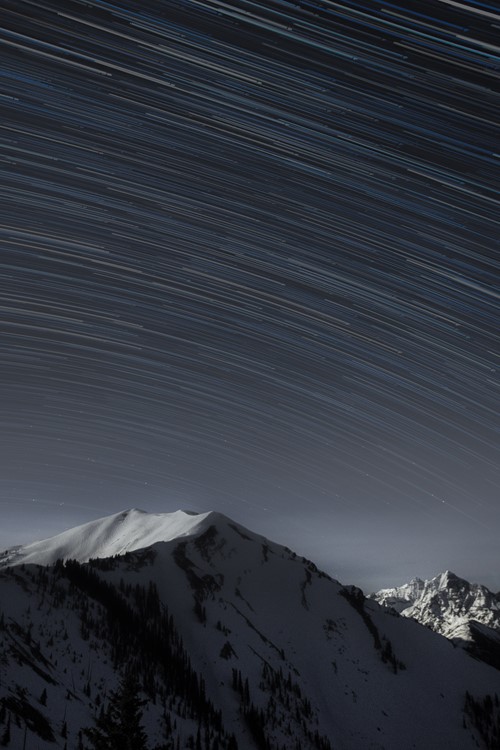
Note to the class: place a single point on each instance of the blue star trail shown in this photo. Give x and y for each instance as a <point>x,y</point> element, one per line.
<point>249,261</point>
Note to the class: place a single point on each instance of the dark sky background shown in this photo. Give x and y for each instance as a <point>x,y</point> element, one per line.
<point>250,263</point>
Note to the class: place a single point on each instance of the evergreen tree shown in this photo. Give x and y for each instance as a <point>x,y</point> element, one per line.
<point>6,735</point>
<point>119,726</point>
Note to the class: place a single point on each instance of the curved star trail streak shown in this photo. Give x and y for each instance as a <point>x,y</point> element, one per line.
<point>250,261</point>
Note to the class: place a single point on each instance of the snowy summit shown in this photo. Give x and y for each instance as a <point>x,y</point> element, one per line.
<point>234,641</point>
<point>106,537</point>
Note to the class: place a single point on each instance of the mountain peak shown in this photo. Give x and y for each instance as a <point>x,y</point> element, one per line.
<point>282,650</point>
<point>448,579</point>
<point>117,534</point>
<point>448,575</point>
<point>445,603</point>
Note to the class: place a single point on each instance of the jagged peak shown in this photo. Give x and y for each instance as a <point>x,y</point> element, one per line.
<point>446,603</point>
<point>449,575</point>
<point>448,580</point>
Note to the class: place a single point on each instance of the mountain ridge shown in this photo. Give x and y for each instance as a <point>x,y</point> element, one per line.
<point>108,536</point>
<point>236,641</point>
<point>446,603</point>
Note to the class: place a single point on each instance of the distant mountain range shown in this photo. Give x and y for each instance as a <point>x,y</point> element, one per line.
<point>235,643</point>
<point>467,613</point>
<point>446,603</point>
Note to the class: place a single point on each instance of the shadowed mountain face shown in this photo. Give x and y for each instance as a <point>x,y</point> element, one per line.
<point>235,641</point>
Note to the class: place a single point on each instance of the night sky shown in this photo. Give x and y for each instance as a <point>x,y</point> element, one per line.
<point>250,263</point>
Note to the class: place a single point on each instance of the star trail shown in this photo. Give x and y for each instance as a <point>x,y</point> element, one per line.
<point>250,262</point>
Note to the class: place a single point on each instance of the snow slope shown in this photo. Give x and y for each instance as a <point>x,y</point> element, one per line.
<point>289,658</point>
<point>107,537</point>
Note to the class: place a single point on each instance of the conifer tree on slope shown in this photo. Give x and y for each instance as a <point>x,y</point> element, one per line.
<point>119,726</point>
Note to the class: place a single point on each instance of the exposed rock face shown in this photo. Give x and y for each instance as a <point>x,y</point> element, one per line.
<point>446,603</point>
<point>466,613</point>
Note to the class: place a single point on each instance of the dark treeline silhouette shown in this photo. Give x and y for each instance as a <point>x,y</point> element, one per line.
<point>484,715</point>
<point>141,634</point>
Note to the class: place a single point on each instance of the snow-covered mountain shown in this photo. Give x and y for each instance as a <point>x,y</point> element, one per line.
<point>107,537</point>
<point>236,642</point>
<point>400,597</point>
<point>466,613</point>
<point>446,603</point>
